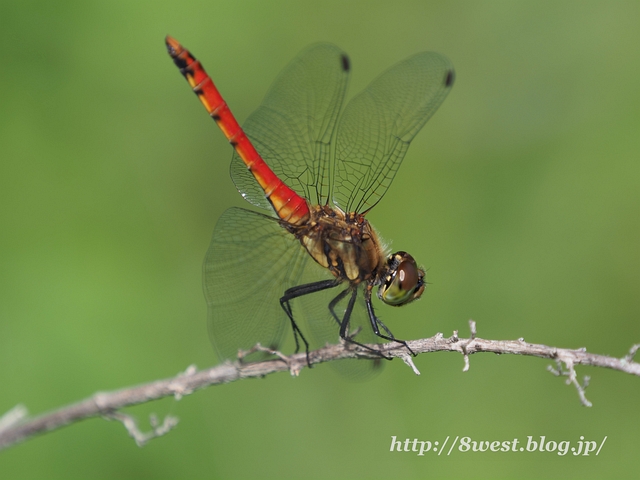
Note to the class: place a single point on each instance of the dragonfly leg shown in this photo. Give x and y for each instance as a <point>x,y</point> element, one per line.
<point>376,323</point>
<point>344,323</point>
<point>334,302</point>
<point>299,291</point>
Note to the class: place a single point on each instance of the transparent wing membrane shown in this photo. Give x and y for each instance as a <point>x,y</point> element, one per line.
<point>244,303</point>
<point>292,129</point>
<point>378,125</point>
<point>251,261</point>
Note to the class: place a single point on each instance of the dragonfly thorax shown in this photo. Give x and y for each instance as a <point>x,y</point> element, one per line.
<point>345,243</point>
<point>348,245</point>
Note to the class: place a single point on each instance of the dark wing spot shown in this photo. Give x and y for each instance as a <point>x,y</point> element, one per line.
<point>449,79</point>
<point>346,65</point>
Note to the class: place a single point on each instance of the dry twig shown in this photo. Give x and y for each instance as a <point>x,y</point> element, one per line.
<point>15,426</point>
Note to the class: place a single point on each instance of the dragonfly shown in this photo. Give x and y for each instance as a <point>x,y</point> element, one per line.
<point>316,169</point>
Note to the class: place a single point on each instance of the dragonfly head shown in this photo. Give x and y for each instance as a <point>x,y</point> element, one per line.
<point>403,280</point>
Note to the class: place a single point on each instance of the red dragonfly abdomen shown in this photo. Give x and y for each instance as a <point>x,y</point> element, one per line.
<point>288,205</point>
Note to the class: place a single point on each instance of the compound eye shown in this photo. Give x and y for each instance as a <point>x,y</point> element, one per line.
<point>404,283</point>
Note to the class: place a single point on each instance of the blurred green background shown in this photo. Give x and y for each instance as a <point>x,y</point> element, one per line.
<point>521,196</point>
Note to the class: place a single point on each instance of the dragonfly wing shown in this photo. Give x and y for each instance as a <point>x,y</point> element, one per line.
<point>293,128</point>
<point>378,125</point>
<point>251,261</point>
